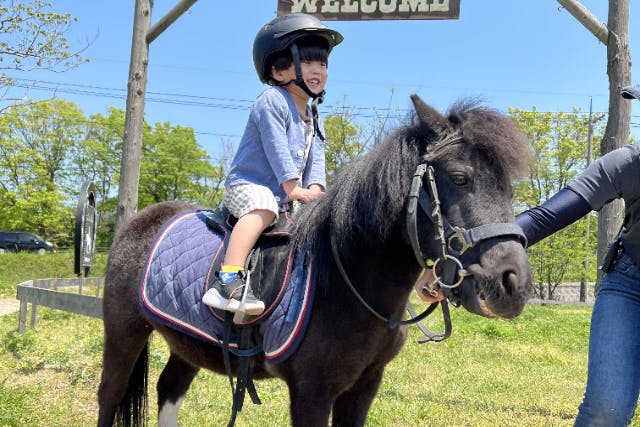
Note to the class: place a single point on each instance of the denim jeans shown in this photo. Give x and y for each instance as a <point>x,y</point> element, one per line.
<point>613,381</point>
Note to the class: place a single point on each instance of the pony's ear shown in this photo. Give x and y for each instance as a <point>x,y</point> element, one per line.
<point>429,116</point>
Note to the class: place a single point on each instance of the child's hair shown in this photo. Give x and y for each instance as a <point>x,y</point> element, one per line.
<point>311,49</point>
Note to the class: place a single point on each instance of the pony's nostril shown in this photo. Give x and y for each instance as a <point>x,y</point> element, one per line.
<point>509,282</point>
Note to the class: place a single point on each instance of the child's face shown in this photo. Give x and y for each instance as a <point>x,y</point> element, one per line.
<point>314,74</point>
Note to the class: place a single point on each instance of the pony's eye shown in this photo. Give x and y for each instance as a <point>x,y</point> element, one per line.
<point>458,178</point>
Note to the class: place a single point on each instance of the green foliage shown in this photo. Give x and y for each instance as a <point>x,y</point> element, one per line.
<point>13,403</point>
<point>33,37</point>
<point>341,145</point>
<point>18,344</point>
<point>51,149</point>
<point>175,167</point>
<point>35,168</point>
<point>559,142</point>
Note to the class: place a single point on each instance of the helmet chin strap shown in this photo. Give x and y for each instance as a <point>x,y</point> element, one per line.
<point>318,98</point>
<point>295,54</point>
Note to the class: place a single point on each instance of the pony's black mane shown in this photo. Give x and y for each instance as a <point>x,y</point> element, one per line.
<point>368,196</point>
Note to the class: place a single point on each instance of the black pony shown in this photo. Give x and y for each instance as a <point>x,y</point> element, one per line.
<point>368,237</point>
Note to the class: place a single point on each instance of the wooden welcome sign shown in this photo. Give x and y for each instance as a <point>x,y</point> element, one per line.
<point>357,10</point>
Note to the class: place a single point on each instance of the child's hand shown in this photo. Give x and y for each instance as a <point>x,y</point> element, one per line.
<point>304,195</point>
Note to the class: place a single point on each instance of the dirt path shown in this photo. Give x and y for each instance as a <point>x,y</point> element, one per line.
<point>8,306</point>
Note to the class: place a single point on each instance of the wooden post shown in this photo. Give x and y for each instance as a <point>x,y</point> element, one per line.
<point>616,133</point>
<point>22,319</point>
<point>134,114</point>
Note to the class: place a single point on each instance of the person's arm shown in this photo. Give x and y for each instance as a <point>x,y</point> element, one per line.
<point>271,113</point>
<point>561,210</point>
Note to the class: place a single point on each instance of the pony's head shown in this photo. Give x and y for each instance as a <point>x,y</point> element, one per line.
<point>466,223</point>
<point>469,158</point>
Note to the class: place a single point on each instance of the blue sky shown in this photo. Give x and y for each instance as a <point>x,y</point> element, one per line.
<point>511,53</point>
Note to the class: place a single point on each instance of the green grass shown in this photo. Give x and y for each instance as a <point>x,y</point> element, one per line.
<point>529,371</point>
<point>525,372</point>
<point>16,268</point>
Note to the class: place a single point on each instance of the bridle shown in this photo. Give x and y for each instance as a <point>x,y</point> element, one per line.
<point>453,241</point>
<point>449,271</point>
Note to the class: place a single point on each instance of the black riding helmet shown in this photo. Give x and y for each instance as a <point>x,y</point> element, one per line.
<point>281,34</point>
<point>631,92</point>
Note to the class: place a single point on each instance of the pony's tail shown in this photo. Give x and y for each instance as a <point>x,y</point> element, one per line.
<point>132,410</point>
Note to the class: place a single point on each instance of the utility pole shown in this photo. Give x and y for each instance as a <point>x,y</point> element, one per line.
<point>136,91</point>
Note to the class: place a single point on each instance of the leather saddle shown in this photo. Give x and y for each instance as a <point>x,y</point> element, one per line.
<point>267,263</point>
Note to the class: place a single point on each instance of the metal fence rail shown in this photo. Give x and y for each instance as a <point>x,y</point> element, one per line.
<point>63,294</point>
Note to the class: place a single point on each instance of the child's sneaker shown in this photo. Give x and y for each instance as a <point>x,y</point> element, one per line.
<point>226,294</point>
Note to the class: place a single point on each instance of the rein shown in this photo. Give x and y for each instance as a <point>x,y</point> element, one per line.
<point>392,323</point>
<point>454,242</point>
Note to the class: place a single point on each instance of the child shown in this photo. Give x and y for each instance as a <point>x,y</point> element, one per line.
<point>281,155</point>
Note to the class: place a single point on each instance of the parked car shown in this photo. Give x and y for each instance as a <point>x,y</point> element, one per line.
<point>16,241</point>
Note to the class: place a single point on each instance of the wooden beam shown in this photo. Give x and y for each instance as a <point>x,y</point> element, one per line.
<point>587,19</point>
<point>168,19</point>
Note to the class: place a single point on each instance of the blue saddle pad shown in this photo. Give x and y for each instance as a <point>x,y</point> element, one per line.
<point>175,277</point>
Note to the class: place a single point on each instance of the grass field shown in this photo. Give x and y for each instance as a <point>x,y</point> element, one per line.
<point>524,372</point>
<point>20,267</point>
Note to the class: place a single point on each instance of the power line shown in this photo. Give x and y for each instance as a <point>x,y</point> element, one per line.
<point>201,101</point>
<point>190,100</point>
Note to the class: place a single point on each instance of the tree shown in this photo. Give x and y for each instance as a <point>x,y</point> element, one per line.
<point>559,146</point>
<point>96,159</point>
<point>50,149</point>
<point>175,167</point>
<point>35,165</point>
<point>33,37</point>
<point>341,145</point>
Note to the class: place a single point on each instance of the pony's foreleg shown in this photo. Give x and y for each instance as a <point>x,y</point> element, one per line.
<point>351,407</point>
<point>174,381</point>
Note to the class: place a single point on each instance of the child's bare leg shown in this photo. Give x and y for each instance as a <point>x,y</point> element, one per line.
<point>245,234</point>
<point>226,290</point>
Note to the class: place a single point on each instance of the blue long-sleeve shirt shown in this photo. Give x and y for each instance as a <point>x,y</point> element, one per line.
<point>272,147</point>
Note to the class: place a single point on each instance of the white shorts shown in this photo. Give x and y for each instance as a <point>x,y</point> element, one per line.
<point>243,198</point>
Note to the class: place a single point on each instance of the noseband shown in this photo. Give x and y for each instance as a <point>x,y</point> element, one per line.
<point>449,271</point>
